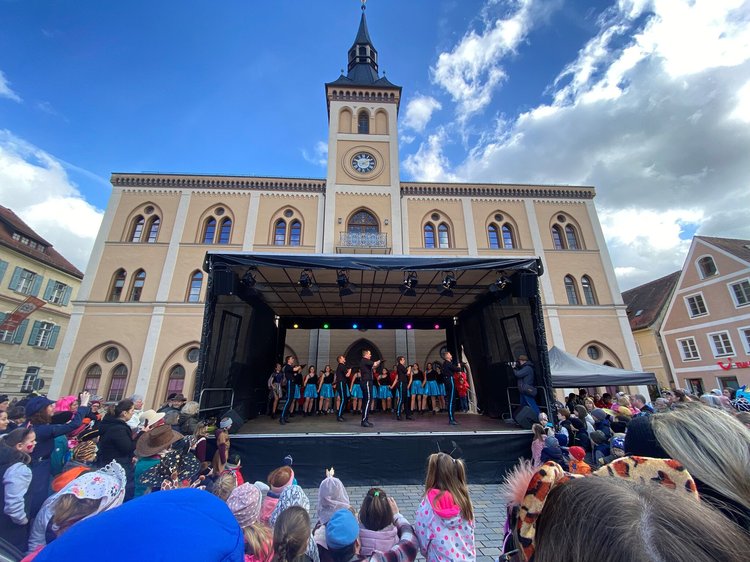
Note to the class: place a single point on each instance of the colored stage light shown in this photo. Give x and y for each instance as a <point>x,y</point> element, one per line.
<point>408,326</point>
<point>325,326</point>
<point>437,326</point>
<point>295,326</point>
<point>380,326</point>
<point>355,326</point>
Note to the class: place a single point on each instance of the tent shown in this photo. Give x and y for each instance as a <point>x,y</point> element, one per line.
<point>568,371</point>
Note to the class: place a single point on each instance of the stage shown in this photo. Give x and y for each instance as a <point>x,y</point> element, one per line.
<point>392,452</point>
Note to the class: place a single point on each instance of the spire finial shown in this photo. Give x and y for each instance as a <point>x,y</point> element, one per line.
<point>364,5</point>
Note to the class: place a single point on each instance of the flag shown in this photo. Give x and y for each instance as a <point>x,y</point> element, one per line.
<point>20,314</point>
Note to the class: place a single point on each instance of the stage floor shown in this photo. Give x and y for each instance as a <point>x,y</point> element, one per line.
<point>383,424</point>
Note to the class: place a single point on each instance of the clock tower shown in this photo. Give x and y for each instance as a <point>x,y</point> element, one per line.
<point>363,193</point>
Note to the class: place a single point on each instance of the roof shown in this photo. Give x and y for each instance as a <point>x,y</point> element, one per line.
<point>363,75</point>
<point>735,246</point>
<point>645,302</point>
<point>363,36</point>
<point>569,371</point>
<point>11,223</point>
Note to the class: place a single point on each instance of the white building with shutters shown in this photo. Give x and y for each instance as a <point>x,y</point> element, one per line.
<point>31,267</point>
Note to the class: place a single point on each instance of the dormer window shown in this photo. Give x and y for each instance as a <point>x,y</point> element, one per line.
<point>707,267</point>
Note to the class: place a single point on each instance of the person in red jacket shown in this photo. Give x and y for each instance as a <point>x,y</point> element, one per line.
<point>462,388</point>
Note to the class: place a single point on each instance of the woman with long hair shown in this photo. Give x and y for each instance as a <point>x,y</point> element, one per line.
<point>325,390</point>
<point>116,441</point>
<point>311,390</point>
<point>15,480</point>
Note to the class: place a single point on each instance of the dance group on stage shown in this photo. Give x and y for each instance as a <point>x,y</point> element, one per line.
<point>402,390</point>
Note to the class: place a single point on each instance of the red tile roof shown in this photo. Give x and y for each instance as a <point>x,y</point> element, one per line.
<point>736,247</point>
<point>10,223</point>
<point>646,301</point>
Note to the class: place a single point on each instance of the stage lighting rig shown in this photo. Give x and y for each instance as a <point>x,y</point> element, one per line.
<point>410,283</point>
<point>342,280</point>
<point>448,284</point>
<point>502,283</point>
<point>248,279</point>
<point>306,282</point>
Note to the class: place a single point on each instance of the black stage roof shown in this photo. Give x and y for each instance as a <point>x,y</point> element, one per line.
<point>376,282</point>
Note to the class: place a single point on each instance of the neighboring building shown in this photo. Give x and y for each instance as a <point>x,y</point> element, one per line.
<point>646,306</point>
<point>706,331</point>
<point>138,320</point>
<point>31,267</point>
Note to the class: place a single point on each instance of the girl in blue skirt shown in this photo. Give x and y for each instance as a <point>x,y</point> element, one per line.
<point>325,390</point>
<point>311,390</point>
<point>416,390</point>
<point>384,390</point>
<point>431,387</point>
<point>355,391</point>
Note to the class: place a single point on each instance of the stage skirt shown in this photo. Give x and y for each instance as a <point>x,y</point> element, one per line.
<point>311,391</point>
<point>326,391</point>
<point>416,388</point>
<point>296,393</point>
<point>356,391</point>
<point>441,386</point>
<point>384,392</point>
<point>432,389</point>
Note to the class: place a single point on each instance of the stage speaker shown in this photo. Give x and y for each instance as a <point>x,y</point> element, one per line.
<point>525,417</point>
<point>237,420</point>
<point>525,285</point>
<point>224,282</point>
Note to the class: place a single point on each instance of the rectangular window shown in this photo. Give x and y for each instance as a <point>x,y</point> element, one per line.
<point>26,282</point>
<point>7,336</point>
<point>696,305</point>
<point>42,336</point>
<point>57,292</point>
<point>741,292</point>
<point>745,338</point>
<point>688,349</point>
<point>695,386</point>
<point>721,344</point>
<point>32,373</point>
<point>2,369</point>
<point>729,382</point>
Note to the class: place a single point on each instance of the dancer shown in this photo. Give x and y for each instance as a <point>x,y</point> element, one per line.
<point>311,390</point>
<point>384,390</point>
<point>339,380</point>
<point>355,392</point>
<point>449,370</point>
<point>416,387</point>
<point>366,365</point>
<point>276,385</point>
<point>431,388</point>
<point>289,371</point>
<point>404,377</point>
<point>325,390</point>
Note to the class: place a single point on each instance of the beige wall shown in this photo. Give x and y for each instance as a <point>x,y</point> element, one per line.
<point>653,358</point>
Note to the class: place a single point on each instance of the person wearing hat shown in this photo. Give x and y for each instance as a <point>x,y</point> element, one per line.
<point>342,536</point>
<point>39,411</point>
<point>245,502</point>
<point>150,449</point>
<point>601,422</point>
<point>175,402</point>
<point>577,463</point>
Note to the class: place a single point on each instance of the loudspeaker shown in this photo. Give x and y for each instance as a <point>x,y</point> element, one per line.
<point>225,282</point>
<point>237,420</point>
<point>524,284</point>
<point>525,417</point>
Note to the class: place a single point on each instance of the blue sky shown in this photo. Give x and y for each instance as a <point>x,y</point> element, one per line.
<point>648,100</point>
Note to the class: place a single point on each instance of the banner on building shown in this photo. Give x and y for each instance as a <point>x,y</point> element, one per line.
<point>21,313</point>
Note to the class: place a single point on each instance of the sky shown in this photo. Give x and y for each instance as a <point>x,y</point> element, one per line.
<point>647,100</point>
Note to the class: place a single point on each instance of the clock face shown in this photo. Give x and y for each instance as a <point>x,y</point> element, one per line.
<point>363,162</point>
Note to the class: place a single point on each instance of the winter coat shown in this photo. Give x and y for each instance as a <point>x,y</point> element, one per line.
<point>115,442</point>
<point>15,479</point>
<point>381,541</point>
<point>442,534</point>
<point>604,427</point>
<point>525,375</point>
<point>536,451</point>
<point>187,424</point>
<point>267,507</point>
<point>555,454</point>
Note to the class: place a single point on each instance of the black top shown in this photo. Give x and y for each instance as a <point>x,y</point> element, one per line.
<point>328,378</point>
<point>403,375</point>
<point>115,442</point>
<point>365,367</point>
<point>288,371</point>
<point>340,373</point>
<point>298,378</point>
<point>418,376</point>
<point>431,375</point>
<point>312,380</point>
<point>449,369</point>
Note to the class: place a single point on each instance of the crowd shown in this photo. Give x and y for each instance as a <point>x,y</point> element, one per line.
<point>616,475</point>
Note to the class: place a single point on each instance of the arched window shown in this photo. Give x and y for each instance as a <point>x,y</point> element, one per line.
<point>118,283</point>
<point>509,241</point>
<point>137,230</point>
<point>443,237</point>
<point>225,232</point>
<point>118,383</point>
<point>153,230</point>
<point>363,123</point>
<point>493,236</point>
<point>194,290</point>
<point>363,222</point>
<point>571,290</point>
<point>176,382</point>
<point>138,281</point>
<point>707,267</point>
<point>557,238</point>
<point>571,237</point>
<point>279,233</point>
<point>92,380</point>
<point>429,235</point>
<point>295,233</point>
<point>589,296</point>
<point>209,231</point>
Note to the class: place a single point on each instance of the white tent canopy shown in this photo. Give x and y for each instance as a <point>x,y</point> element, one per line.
<point>568,371</point>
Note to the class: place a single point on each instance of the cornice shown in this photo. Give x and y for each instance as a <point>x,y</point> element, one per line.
<point>498,190</point>
<point>160,182</point>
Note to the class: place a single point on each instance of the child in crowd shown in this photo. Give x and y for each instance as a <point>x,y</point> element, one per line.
<point>553,452</point>
<point>245,503</point>
<point>234,465</point>
<point>600,446</point>
<point>15,457</point>
<point>601,422</point>
<point>199,444</point>
<point>537,443</point>
<point>332,496</point>
<point>577,463</point>
<point>446,511</point>
<point>223,486</point>
<point>291,534</point>
<point>616,449</point>
<point>222,446</point>
<point>278,480</point>
<point>377,531</point>
<point>462,388</point>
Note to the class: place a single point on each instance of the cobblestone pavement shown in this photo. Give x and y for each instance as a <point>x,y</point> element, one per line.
<point>490,515</point>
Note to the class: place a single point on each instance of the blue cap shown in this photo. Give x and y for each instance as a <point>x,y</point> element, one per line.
<point>36,404</point>
<point>342,529</point>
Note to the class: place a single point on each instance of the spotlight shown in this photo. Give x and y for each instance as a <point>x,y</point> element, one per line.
<point>380,326</point>
<point>449,282</point>
<point>325,326</point>
<point>342,280</point>
<point>501,283</point>
<point>355,326</point>
<point>437,326</point>
<point>306,282</point>
<point>295,326</point>
<point>248,280</point>
<point>408,326</point>
<point>410,282</point>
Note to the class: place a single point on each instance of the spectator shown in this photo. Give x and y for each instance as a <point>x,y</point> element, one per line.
<point>223,485</point>
<point>116,441</point>
<point>291,534</point>
<point>245,502</point>
<point>234,465</point>
<point>174,404</point>
<point>15,480</point>
<point>661,405</point>
<point>332,496</point>
<point>278,481</point>
<point>583,414</point>
<point>577,463</point>
<point>188,419</point>
<point>17,417</point>
<point>616,449</point>
<point>537,443</point>
<point>641,441</point>
<point>150,448</point>
<point>601,422</point>
<point>4,422</point>
<point>135,419</point>
<point>377,530</point>
<point>294,496</point>
<point>553,452</point>
<point>743,418</point>
<point>446,507</point>
<point>4,402</point>
<point>641,404</point>
<point>600,447</point>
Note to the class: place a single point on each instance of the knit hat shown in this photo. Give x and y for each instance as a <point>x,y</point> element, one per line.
<point>4,398</point>
<point>85,451</point>
<point>551,442</point>
<point>262,486</point>
<point>562,439</point>
<point>245,502</point>
<point>598,414</point>
<point>577,453</point>
<point>332,496</point>
<point>617,442</point>
<point>578,424</point>
<point>598,437</point>
<point>342,530</point>
<point>225,423</point>
<point>640,439</point>
<point>36,404</point>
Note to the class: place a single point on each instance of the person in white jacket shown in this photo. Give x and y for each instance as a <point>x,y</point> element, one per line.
<point>15,479</point>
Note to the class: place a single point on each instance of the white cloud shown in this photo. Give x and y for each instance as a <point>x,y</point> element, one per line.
<point>37,188</point>
<point>653,111</point>
<point>318,155</point>
<point>419,111</point>
<point>5,89</point>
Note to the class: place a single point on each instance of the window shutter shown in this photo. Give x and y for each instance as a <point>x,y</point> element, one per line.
<point>37,285</point>
<point>34,331</point>
<point>66,296</point>
<point>20,331</point>
<point>3,267</point>
<point>16,279</point>
<point>2,317</point>
<point>53,337</point>
<point>48,289</point>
